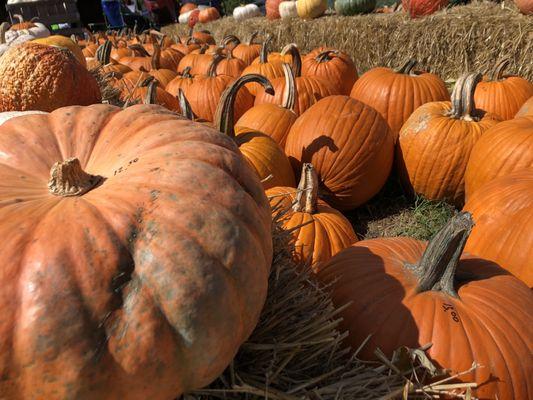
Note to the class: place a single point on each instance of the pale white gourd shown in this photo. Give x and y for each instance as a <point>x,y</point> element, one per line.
<point>242,13</point>
<point>287,9</point>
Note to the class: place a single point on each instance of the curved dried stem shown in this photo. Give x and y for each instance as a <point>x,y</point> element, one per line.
<point>307,194</point>
<point>290,93</point>
<point>326,55</point>
<point>263,54</point>
<point>463,106</point>
<point>292,49</point>
<point>497,72</point>
<point>407,67</point>
<point>185,106</point>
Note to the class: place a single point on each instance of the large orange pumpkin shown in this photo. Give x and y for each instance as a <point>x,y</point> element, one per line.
<point>310,89</point>
<point>404,292</point>
<point>271,119</point>
<point>504,148</point>
<point>319,231</point>
<point>349,144</point>
<point>436,141</point>
<point>39,77</point>
<point>502,211</point>
<point>269,70</point>
<point>138,254</point>
<point>526,110</point>
<point>261,151</point>
<point>332,65</point>
<point>395,94</point>
<point>501,94</point>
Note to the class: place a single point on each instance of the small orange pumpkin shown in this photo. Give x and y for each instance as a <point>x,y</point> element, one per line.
<point>319,230</point>
<point>208,14</point>
<point>150,93</point>
<point>248,51</point>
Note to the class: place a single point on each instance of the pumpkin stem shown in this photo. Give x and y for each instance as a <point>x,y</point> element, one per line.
<point>19,17</point>
<point>203,49</point>
<point>326,55</point>
<point>140,49</point>
<point>463,106</point>
<point>4,27</point>
<point>226,105</point>
<point>292,49</point>
<point>186,72</point>
<point>263,54</point>
<point>497,72</point>
<point>290,92</point>
<point>253,36</point>
<point>407,67</point>
<point>156,56</point>
<point>230,39</point>
<point>307,195</point>
<point>212,71</point>
<point>185,106</point>
<point>68,179</point>
<point>103,52</point>
<point>436,269</point>
<point>151,93</point>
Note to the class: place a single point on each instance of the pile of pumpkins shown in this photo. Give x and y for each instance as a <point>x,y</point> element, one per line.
<point>138,239</point>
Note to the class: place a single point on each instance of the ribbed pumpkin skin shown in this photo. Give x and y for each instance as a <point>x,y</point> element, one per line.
<point>433,151</point>
<point>525,6</point>
<point>208,15</point>
<point>339,71</point>
<point>526,110</point>
<point>267,158</point>
<point>163,98</point>
<point>493,309</point>
<point>179,82</point>
<point>270,70</point>
<point>271,119</point>
<point>230,66</point>
<point>308,9</point>
<point>199,63</point>
<point>145,286</point>
<point>503,213</point>
<point>40,77</point>
<point>247,52</point>
<point>317,236</point>
<point>350,146</point>
<point>204,94</point>
<point>170,59</point>
<point>395,96</point>
<point>309,89</point>
<point>505,148</point>
<point>163,76</point>
<point>354,7</point>
<point>504,97</point>
<point>272,9</point>
<point>419,8</point>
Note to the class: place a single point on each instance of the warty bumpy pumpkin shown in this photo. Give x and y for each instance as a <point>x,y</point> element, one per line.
<point>136,250</point>
<point>40,77</point>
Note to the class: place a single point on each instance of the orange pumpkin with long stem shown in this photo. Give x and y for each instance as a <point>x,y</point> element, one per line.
<point>350,146</point>
<point>502,211</point>
<point>319,231</point>
<point>118,268</point>
<point>269,70</point>
<point>180,82</point>
<point>332,65</point>
<point>472,314</point>
<point>436,141</point>
<point>248,51</point>
<point>396,94</point>
<point>309,88</point>
<point>149,93</point>
<point>230,65</point>
<point>505,148</point>
<point>501,94</point>
<point>204,93</point>
<point>261,151</point>
<point>271,119</point>
<point>197,62</point>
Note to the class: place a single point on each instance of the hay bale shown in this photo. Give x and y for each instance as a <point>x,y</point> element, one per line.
<point>296,351</point>
<point>450,42</point>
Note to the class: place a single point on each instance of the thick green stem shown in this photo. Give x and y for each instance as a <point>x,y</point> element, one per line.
<point>407,67</point>
<point>292,49</point>
<point>307,195</point>
<point>225,111</point>
<point>437,267</point>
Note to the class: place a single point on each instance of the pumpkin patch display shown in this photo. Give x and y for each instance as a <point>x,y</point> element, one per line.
<point>395,94</point>
<point>39,77</point>
<point>503,230</point>
<point>319,230</point>
<point>350,146</point>
<point>502,95</point>
<point>138,254</point>
<point>436,141</point>
<point>467,309</point>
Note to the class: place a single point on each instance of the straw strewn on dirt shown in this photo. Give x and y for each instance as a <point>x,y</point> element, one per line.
<point>450,42</point>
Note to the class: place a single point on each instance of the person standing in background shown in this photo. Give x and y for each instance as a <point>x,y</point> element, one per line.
<point>112,13</point>
<point>162,11</point>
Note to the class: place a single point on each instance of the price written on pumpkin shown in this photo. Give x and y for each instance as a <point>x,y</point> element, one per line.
<point>449,308</point>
